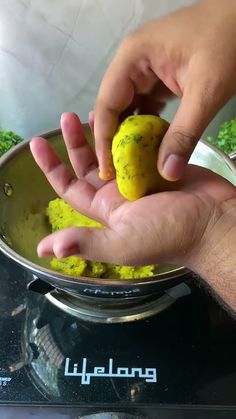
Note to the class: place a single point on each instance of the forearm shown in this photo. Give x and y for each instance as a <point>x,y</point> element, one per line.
<point>228,4</point>
<point>216,259</point>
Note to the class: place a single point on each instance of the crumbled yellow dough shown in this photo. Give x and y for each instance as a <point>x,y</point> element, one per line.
<point>78,267</point>
<point>121,272</point>
<point>60,216</point>
<point>71,265</point>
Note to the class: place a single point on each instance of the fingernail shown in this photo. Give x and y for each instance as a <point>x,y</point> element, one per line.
<point>108,173</point>
<point>105,175</point>
<point>91,121</point>
<point>42,252</point>
<point>91,114</point>
<point>174,167</point>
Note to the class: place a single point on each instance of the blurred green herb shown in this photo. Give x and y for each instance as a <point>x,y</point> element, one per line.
<point>226,137</point>
<point>7,140</point>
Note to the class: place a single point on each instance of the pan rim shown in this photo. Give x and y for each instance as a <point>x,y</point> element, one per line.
<point>102,282</point>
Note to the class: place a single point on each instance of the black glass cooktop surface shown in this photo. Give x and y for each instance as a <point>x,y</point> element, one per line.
<point>179,363</point>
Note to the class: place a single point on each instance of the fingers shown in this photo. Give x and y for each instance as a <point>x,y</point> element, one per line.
<point>88,243</point>
<point>109,105</point>
<point>128,74</point>
<point>78,193</point>
<point>199,105</point>
<point>81,155</point>
<point>179,142</point>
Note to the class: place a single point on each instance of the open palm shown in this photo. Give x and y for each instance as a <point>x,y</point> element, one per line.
<point>163,227</point>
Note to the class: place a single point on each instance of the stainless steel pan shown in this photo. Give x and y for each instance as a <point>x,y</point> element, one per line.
<point>24,195</point>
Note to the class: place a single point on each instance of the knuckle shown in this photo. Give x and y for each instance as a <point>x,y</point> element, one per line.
<point>91,244</point>
<point>211,93</point>
<point>215,94</point>
<point>184,140</point>
<point>209,90</point>
<point>128,43</point>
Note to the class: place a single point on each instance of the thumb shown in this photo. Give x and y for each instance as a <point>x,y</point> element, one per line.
<point>99,244</point>
<point>193,115</point>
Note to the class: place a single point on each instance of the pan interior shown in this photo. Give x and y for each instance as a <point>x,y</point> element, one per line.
<point>24,196</point>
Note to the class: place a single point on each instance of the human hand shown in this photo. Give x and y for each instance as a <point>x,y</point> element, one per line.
<point>165,227</point>
<point>191,54</point>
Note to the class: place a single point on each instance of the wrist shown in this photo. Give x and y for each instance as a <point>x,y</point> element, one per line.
<point>215,258</point>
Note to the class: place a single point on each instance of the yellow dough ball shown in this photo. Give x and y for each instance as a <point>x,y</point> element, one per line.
<point>134,150</point>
